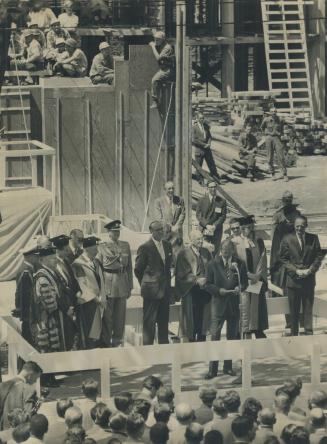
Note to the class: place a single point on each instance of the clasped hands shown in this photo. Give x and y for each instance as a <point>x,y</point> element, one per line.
<point>303,273</point>
<point>224,292</point>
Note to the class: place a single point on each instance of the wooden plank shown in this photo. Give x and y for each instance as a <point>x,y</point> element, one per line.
<point>146,147</point>
<point>89,196</point>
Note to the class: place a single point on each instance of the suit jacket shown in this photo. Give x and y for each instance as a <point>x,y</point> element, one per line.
<point>152,272</point>
<point>211,213</point>
<point>188,268</point>
<point>70,256</point>
<point>171,214</point>
<point>90,278</point>
<point>68,286</point>
<point>294,259</point>
<point>217,280</point>
<point>201,138</point>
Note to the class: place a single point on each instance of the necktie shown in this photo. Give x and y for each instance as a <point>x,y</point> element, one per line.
<point>227,270</point>
<point>301,242</point>
<point>161,251</point>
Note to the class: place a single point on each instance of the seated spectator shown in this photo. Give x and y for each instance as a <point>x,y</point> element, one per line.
<point>317,420</point>
<point>159,433</point>
<point>164,54</point>
<point>287,433</point>
<point>57,54</point>
<point>56,32</point>
<point>135,427</point>
<point>74,64</point>
<point>20,433</point>
<point>90,390</point>
<point>266,422</point>
<point>300,436</point>
<point>184,416</point>
<point>68,20</point>
<point>194,433</point>
<point>123,402</point>
<point>57,429</point>
<point>38,428</point>
<point>162,413</point>
<point>40,14</point>
<point>100,414</point>
<point>142,406</point>
<point>38,32</point>
<point>117,425</point>
<point>75,435</point>
<point>204,413</point>
<point>219,415</point>
<point>102,69</point>
<point>34,60</point>
<point>293,389</point>
<point>282,407</point>
<point>73,417</point>
<point>165,395</point>
<point>150,386</point>
<point>251,408</point>
<point>213,437</point>
<point>16,417</point>
<point>243,429</point>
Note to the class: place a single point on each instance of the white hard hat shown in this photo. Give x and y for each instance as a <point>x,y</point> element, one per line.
<point>104,45</point>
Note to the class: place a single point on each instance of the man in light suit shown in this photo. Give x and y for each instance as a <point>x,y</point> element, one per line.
<point>170,210</point>
<point>211,213</point>
<point>190,287</point>
<point>91,297</point>
<point>115,257</point>
<point>201,139</point>
<point>153,271</point>
<point>301,255</point>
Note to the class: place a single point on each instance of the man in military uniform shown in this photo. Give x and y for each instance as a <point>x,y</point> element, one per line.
<point>273,128</point>
<point>68,288</point>
<point>115,257</point>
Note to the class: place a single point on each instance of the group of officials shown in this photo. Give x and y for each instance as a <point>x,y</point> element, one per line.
<point>72,291</point>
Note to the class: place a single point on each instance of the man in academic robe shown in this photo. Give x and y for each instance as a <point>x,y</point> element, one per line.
<point>68,289</point>
<point>211,213</point>
<point>170,209</point>
<point>226,278</point>
<point>254,314</point>
<point>153,271</point>
<point>301,256</point>
<point>91,298</point>
<point>116,260</point>
<point>19,392</point>
<point>190,287</point>
<point>47,326</point>
<point>75,245</point>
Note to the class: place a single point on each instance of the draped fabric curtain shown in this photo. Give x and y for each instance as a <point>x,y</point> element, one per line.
<point>23,212</point>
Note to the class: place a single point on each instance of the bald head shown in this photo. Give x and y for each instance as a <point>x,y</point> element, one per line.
<point>318,398</point>
<point>267,417</point>
<point>282,403</point>
<point>73,417</point>
<point>184,413</point>
<point>196,238</point>
<point>317,418</point>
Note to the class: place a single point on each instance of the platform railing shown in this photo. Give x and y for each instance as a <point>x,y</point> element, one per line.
<point>176,355</point>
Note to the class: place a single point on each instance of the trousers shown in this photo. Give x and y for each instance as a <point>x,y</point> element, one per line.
<point>114,321</point>
<point>296,297</point>
<point>274,146</point>
<point>160,77</point>
<point>155,312</point>
<point>206,154</point>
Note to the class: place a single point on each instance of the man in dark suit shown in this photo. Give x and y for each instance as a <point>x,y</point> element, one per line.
<point>190,283</point>
<point>201,139</point>
<point>211,213</point>
<point>75,247</point>
<point>152,269</point>
<point>226,278</point>
<point>170,209</point>
<point>301,255</point>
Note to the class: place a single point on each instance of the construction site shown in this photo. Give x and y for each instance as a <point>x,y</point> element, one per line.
<point>78,155</point>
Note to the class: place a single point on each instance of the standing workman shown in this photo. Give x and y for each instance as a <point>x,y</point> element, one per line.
<point>211,214</point>
<point>201,139</point>
<point>248,148</point>
<point>273,128</point>
<point>164,54</point>
<point>102,68</point>
<point>116,259</point>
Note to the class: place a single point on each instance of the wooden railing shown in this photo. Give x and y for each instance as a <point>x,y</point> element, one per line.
<point>176,355</point>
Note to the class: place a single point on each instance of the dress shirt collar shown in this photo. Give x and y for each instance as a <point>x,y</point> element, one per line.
<point>195,251</point>
<point>229,261</point>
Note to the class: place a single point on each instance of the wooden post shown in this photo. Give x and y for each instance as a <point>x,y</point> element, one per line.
<point>146,147</point>
<point>121,156</point>
<point>105,379</point>
<point>176,380</point>
<point>228,65</point>
<point>180,42</point>
<point>2,170</point>
<point>12,357</point>
<point>58,169</point>
<point>53,184</point>
<point>246,367</point>
<point>88,157</point>
<point>315,364</point>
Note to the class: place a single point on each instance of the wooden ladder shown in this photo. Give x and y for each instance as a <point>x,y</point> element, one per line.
<point>287,55</point>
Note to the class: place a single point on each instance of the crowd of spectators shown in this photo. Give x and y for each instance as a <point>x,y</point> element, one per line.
<point>151,416</point>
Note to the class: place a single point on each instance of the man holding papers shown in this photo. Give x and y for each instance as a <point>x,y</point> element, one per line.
<point>254,315</point>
